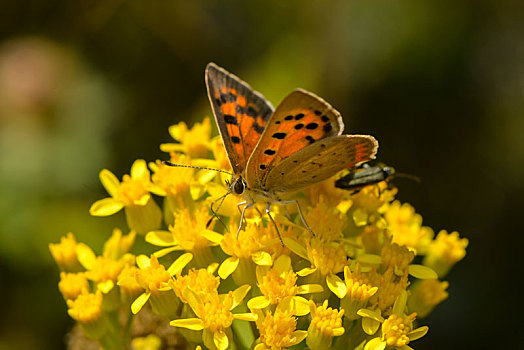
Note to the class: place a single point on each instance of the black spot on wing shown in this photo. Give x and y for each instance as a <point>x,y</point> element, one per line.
<point>299,116</point>
<point>279,135</point>
<point>258,128</point>
<point>325,118</point>
<point>230,119</point>
<point>312,126</point>
<point>262,167</point>
<point>251,112</point>
<point>235,139</point>
<point>299,126</point>
<point>289,117</point>
<point>327,128</point>
<point>310,139</point>
<point>317,112</point>
<point>270,152</point>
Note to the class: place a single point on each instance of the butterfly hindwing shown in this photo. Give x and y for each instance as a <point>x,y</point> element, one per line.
<point>241,114</point>
<point>300,120</point>
<point>320,161</point>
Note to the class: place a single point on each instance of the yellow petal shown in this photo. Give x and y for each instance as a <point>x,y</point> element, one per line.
<point>220,340</point>
<point>375,344</point>
<point>422,272</point>
<point>142,200</point>
<point>262,258</point>
<point>105,207</point>
<point>106,286</point>
<point>171,147</point>
<point>139,170</point>
<point>189,323</point>
<point>139,302</point>
<point>295,247</point>
<point>261,346</point>
<point>306,271</point>
<point>110,182</point>
<point>178,265</point>
<point>296,337</point>
<point>366,313</point>
<point>85,255</point>
<point>309,288</point>
<point>239,294</point>
<point>193,300</point>
<point>370,259</point>
<point>160,238</point>
<point>336,285</point>
<point>400,303</point>
<point>360,217</point>
<point>246,317</point>
<point>212,236</point>
<point>301,306</point>
<point>228,267</point>
<point>143,261</point>
<point>370,326</point>
<point>418,333</point>
<point>282,264</point>
<point>259,302</point>
<point>163,252</point>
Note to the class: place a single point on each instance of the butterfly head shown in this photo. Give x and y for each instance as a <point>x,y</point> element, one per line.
<point>239,185</point>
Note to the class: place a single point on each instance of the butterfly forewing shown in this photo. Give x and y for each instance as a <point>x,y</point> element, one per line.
<point>320,161</point>
<point>300,120</point>
<point>241,114</point>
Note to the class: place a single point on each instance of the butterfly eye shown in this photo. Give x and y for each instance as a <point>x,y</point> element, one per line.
<point>238,186</point>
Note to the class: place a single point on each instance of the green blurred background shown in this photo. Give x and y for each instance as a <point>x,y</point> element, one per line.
<point>86,85</point>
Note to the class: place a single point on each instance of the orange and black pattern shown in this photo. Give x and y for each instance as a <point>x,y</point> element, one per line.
<point>241,114</point>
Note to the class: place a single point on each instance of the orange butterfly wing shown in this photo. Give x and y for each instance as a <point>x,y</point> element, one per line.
<point>300,120</point>
<point>240,113</point>
<point>320,161</point>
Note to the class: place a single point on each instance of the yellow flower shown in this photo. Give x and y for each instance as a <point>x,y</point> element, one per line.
<point>142,213</point>
<point>396,331</point>
<point>129,287</point>
<point>71,285</point>
<point>202,281</point>
<point>246,252</point>
<point>65,254</point>
<point>118,245</point>
<point>194,142</point>
<point>389,287</point>
<point>426,295</point>
<point>154,278</point>
<point>87,310</point>
<point>326,323</point>
<point>214,316</point>
<point>358,292</point>
<point>326,221</point>
<point>327,259</point>
<point>406,227</point>
<point>150,342</point>
<point>189,233</point>
<point>445,251</point>
<point>278,329</point>
<point>278,283</point>
<point>181,186</point>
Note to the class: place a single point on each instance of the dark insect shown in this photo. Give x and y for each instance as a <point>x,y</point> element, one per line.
<point>363,176</point>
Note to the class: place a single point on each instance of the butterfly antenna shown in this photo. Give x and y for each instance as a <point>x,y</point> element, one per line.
<point>166,162</point>
<point>409,176</point>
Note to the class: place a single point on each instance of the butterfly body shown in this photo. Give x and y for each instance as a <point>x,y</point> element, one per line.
<point>277,151</point>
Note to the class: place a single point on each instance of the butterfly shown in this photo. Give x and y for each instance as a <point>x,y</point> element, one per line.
<point>277,151</point>
<point>365,175</point>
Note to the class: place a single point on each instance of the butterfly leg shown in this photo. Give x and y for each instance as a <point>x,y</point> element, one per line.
<point>268,212</point>
<point>299,213</point>
<point>248,205</point>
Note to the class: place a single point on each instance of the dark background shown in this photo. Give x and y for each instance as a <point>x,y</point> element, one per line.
<point>86,85</point>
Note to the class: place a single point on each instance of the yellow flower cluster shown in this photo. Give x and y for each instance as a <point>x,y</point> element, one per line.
<point>351,285</point>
